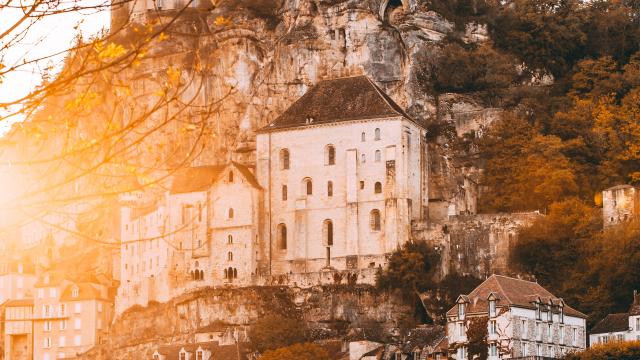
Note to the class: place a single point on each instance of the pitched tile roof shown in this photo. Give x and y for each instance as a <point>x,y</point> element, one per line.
<point>201,178</point>
<point>510,292</point>
<point>336,100</point>
<point>194,179</point>
<point>17,303</point>
<point>226,352</point>
<point>86,291</point>
<point>612,323</point>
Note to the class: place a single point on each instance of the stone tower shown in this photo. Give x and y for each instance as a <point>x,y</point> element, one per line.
<point>619,204</point>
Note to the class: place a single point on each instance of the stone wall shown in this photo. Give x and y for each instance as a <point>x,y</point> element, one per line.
<point>475,245</point>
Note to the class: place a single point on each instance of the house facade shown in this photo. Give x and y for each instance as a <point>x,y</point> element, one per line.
<point>69,317</point>
<point>344,174</point>
<point>18,329</point>
<point>618,327</point>
<point>520,318</point>
<point>17,278</point>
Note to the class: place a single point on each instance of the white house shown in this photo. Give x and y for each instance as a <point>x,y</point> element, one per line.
<point>344,173</point>
<point>618,327</point>
<point>521,319</point>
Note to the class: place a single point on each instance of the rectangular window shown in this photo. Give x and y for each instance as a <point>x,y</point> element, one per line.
<point>549,333</point>
<point>63,310</point>
<point>492,327</point>
<point>47,326</point>
<point>460,329</point>
<point>575,336</point>
<point>77,340</point>
<point>77,324</point>
<point>492,308</point>
<point>99,307</point>
<point>199,355</point>
<point>52,292</point>
<point>524,329</point>
<point>77,308</point>
<point>40,293</point>
<point>538,332</point>
<point>561,335</point>
<point>638,324</point>
<point>620,337</point>
<point>46,311</point>
<point>46,343</point>
<point>523,347</point>
<point>461,311</point>
<point>62,342</point>
<point>63,324</point>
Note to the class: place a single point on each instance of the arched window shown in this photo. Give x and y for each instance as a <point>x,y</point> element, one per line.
<point>226,273</point>
<point>307,186</point>
<point>330,155</point>
<point>230,176</point>
<point>230,213</point>
<point>330,188</point>
<point>377,188</point>
<point>201,274</point>
<point>230,256</point>
<point>235,273</point>
<point>284,159</point>
<point>327,230</point>
<point>375,220</point>
<point>363,137</point>
<point>284,192</point>
<point>193,275</point>
<point>363,158</point>
<point>282,236</point>
<point>229,239</point>
<point>378,155</point>
<point>377,134</point>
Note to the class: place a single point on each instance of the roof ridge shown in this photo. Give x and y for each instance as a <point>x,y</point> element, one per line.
<point>502,289</point>
<point>383,96</point>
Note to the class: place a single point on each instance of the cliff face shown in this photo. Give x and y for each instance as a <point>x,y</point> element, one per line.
<point>329,311</point>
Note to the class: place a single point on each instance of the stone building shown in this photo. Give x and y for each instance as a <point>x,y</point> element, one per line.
<point>202,232</point>
<point>344,174</point>
<point>521,319</point>
<point>17,329</point>
<point>620,204</point>
<point>69,317</point>
<point>618,327</point>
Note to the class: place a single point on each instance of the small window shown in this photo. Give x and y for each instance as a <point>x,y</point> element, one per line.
<point>230,256</point>
<point>284,159</point>
<point>284,192</point>
<point>226,273</point>
<point>363,158</point>
<point>308,186</point>
<point>377,188</point>
<point>199,355</point>
<point>328,232</point>
<point>375,220</point>
<point>378,156</point>
<point>461,309</point>
<point>230,176</point>
<point>230,239</point>
<point>363,137</point>
<point>282,236</point>
<point>377,134</point>
<point>75,292</point>
<point>330,189</point>
<point>492,308</point>
<point>330,155</point>
<point>361,185</point>
<point>230,213</point>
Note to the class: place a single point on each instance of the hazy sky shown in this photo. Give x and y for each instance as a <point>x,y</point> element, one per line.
<point>51,35</point>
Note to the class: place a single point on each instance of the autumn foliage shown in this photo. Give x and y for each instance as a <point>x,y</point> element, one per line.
<point>304,351</point>
<point>610,351</point>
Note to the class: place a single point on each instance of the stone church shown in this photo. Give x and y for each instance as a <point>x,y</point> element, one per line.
<point>339,178</point>
<point>344,174</point>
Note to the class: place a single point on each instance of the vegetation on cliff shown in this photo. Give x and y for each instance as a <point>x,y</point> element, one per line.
<point>610,351</point>
<point>305,351</point>
<point>568,253</point>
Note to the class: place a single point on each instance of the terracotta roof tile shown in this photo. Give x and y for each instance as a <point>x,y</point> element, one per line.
<point>510,291</point>
<point>612,323</point>
<point>195,179</point>
<point>336,100</point>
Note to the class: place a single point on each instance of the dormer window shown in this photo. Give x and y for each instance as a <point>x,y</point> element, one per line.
<point>199,355</point>
<point>461,310</point>
<point>538,311</point>
<point>75,292</point>
<point>183,355</point>
<point>561,314</point>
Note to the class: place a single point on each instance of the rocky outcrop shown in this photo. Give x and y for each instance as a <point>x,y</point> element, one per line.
<point>328,311</point>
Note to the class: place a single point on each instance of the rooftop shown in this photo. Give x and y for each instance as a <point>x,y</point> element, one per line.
<point>510,292</point>
<point>201,178</point>
<point>337,100</point>
<point>612,323</point>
